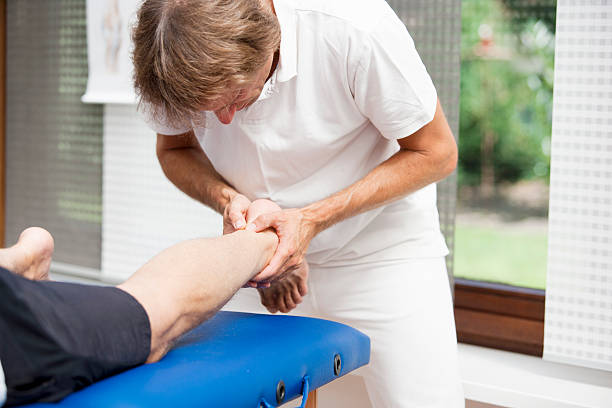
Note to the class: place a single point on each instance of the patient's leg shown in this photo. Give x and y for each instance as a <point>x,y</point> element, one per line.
<point>189,282</point>
<point>31,256</point>
<point>97,331</point>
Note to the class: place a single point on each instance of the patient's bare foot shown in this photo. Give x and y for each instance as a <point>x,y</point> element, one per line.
<point>31,256</point>
<point>261,206</point>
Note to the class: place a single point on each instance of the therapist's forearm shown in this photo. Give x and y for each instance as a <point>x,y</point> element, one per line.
<point>192,172</point>
<point>428,158</point>
<point>391,180</point>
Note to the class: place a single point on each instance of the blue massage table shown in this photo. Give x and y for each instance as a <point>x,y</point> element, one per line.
<point>235,360</point>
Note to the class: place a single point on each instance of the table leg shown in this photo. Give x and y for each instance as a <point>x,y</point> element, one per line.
<point>312,399</point>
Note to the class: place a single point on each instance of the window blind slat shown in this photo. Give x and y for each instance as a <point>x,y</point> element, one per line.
<point>435,26</point>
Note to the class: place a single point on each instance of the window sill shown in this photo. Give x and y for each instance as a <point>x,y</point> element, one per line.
<point>517,380</point>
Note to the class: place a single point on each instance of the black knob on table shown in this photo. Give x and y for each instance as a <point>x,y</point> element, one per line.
<point>337,364</point>
<point>280,392</point>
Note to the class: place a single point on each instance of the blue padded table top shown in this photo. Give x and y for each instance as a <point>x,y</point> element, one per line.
<point>234,360</point>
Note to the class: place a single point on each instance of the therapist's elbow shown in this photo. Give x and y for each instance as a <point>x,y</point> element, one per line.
<point>161,150</point>
<point>160,155</point>
<point>166,155</point>
<point>452,158</point>
<point>163,159</point>
<point>448,156</point>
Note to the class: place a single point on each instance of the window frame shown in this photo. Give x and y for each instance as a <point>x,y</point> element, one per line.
<point>499,316</point>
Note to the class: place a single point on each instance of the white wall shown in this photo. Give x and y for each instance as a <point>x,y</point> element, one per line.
<point>143,212</point>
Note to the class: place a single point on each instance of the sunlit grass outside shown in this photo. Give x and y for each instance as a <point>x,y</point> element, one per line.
<point>495,254</point>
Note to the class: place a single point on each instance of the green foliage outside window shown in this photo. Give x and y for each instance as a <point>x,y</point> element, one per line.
<point>507,61</point>
<point>506,91</point>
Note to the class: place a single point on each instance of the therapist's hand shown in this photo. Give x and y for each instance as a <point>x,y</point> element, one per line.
<point>257,208</point>
<point>235,213</point>
<point>295,230</point>
<point>285,294</point>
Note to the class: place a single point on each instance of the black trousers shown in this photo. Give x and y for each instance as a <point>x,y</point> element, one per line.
<point>57,337</point>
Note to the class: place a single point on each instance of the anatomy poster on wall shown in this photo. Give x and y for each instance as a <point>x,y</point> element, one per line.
<point>109,48</point>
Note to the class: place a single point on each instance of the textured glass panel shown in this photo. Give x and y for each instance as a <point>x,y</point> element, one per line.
<point>578,320</point>
<point>435,26</point>
<point>53,141</point>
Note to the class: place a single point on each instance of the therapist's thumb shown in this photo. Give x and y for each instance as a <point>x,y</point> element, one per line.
<point>237,219</point>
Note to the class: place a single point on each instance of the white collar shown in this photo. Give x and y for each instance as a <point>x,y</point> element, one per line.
<point>287,63</point>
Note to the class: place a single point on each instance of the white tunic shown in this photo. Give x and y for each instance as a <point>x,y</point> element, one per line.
<point>348,84</point>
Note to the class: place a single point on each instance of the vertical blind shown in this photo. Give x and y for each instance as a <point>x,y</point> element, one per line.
<point>578,319</point>
<point>435,26</point>
<point>53,141</point>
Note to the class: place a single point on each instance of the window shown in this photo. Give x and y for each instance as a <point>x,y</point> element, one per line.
<point>53,141</point>
<point>507,54</point>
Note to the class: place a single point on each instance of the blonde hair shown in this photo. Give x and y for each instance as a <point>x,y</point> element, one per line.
<point>190,52</point>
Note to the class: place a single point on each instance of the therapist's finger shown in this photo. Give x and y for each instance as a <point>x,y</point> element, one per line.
<point>289,303</point>
<point>295,294</point>
<point>279,298</point>
<point>302,288</point>
<point>235,212</point>
<point>277,269</point>
<point>267,301</point>
<point>280,304</point>
<point>273,268</point>
<point>236,217</point>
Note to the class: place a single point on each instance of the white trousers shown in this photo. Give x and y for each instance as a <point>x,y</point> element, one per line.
<point>405,308</point>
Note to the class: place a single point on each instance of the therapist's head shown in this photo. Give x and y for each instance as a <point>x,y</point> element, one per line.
<point>193,55</point>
